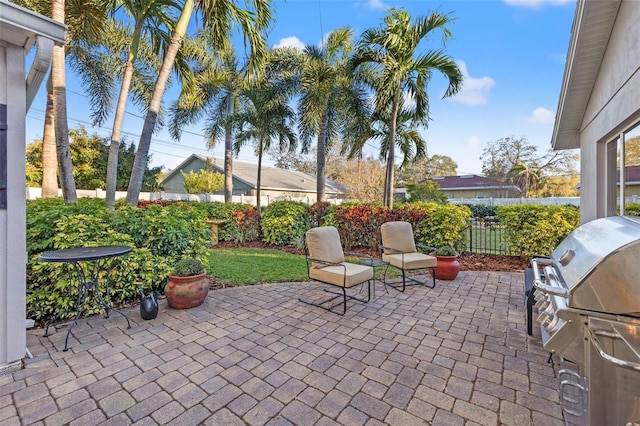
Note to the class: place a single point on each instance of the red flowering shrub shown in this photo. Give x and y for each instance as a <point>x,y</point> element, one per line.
<point>244,225</point>
<point>359,224</point>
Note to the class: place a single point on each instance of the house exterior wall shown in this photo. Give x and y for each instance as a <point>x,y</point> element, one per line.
<point>175,184</point>
<point>613,106</point>
<point>13,249</point>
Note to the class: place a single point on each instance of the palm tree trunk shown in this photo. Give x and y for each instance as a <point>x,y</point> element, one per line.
<point>49,159</point>
<point>322,158</point>
<point>258,181</point>
<point>58,78</point>
<point>389,184</point>
<point>228,153</point>
<point>116,134</point>
<point>142,155</point>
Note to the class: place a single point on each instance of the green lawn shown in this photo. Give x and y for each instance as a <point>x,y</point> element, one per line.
<point>246,266</point>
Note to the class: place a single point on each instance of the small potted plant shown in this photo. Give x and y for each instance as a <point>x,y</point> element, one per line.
<point>448,266</point>
<point>188,284</point>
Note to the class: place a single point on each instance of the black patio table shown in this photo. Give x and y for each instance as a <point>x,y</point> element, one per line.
<point>88,262</point>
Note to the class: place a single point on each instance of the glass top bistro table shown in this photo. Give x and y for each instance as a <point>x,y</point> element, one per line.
<point>87,262</point>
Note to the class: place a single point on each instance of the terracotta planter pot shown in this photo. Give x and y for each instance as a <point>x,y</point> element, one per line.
<point>186,292</point>
<point>448,268</point>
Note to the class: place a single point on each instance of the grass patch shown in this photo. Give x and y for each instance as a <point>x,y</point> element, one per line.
<point>246,266</point>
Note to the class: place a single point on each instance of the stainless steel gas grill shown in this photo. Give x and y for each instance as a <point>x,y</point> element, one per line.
<point>588,299</point>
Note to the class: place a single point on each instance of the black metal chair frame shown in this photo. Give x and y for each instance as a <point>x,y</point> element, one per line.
<point>337,295</point>
<point>405,277</point>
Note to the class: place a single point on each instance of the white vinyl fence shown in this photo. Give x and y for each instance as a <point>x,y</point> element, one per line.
<point>265,200</point>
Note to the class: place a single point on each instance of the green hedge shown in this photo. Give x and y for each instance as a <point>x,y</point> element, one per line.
<point>159,235</point>
<point>285,222</point>
<point>535,229</point>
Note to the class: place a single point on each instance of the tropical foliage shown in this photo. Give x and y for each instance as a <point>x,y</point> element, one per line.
<point>89,154</point>
<point>403,71</point>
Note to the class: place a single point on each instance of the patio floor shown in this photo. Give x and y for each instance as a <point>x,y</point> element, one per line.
<point>454,355</point>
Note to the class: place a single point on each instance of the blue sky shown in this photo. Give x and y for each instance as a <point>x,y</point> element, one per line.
<point>511,52</point>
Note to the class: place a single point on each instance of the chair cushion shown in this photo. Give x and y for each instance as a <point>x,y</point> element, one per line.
<point>347,274</point>
<point>324,244</point>
<point>399,236</point>
<point>410,260</point>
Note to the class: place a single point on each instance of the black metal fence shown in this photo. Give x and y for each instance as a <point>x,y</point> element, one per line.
<point>485,235</point>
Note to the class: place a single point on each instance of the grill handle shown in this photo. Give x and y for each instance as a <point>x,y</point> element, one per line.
<point>540,285</point>
<point>617,361</point>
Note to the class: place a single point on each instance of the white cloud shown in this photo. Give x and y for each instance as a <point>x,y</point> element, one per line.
<point>541,116</point>
<point>474,91</point>
<point>536,3</point>
<point>473,141</point>
<point>292,41</point>
<point>376,5</point>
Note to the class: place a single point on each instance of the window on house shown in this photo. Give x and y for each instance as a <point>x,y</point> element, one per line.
<point>623,188</point>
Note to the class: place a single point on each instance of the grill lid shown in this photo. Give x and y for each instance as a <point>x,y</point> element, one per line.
<point>599,263</point>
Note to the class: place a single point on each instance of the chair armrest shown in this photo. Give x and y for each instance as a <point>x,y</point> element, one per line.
<point>390,249</point>
<point>324,262</point>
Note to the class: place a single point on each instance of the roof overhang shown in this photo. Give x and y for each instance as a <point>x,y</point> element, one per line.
<point>22,27</point>
<point>592,27</point>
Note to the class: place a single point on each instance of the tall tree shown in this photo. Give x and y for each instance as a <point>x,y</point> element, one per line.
<point>150,18</point>
<point>89,155</point>
<point>513,159</point>
<point>392,50</point>
<point>407,137</point>
<point>332,98</point>
<point>428,167</point>
<point>266,115</point>
<point>219,16</point>
<point>84,20</point>
<point>499,156</point>
<point>220,78</point>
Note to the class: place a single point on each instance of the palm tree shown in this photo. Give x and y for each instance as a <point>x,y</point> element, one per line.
<point>265,115</point>
<point>150,18</point>
<point>84,21</point>
<point>526,176</point>
<point>407,138</point>
<point>390,50</point>
<point>219,16</point>
<point>219,81</point>
<point>332,101</point>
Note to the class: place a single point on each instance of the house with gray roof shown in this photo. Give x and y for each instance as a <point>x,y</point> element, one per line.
<point>275,182</point>
<point>474,186</point>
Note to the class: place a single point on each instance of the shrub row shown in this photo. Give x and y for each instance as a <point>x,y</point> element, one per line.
<point>534,229</point>
<point>162,232</point>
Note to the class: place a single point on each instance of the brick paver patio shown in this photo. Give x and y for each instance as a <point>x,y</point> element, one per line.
<point>454,355</point>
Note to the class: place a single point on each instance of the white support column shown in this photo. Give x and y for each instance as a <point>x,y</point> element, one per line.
<point>13,251</point>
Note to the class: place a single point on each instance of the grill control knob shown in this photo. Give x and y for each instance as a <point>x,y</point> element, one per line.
<point>566,257</point>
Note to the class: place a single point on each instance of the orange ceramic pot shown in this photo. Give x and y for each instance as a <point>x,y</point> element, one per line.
<point>186,292</point>
<point>447,268</point>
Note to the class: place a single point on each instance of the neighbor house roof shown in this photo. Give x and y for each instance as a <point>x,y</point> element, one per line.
<point>470,182</point>
<point>272,178</point>
<point>592,27</point>
<point>631,175</point>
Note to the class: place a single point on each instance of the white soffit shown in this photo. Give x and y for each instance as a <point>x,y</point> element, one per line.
<point>21,27</point>
<point>592,27</point>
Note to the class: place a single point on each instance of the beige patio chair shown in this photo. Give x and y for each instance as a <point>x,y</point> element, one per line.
<point>400,251</point>
<point>326,264</point>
